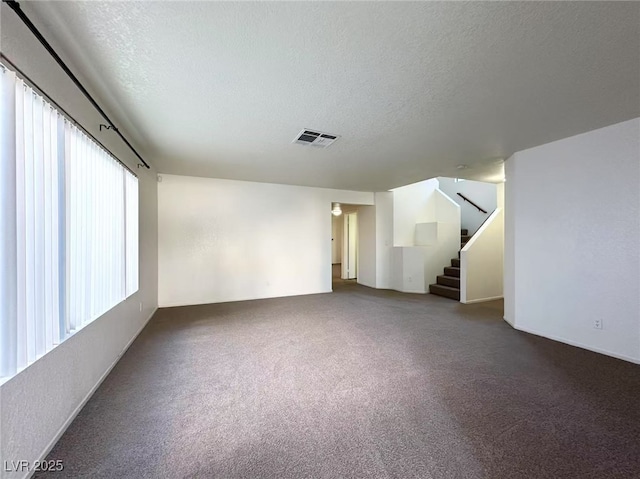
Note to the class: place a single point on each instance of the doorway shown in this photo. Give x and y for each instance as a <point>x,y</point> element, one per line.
<point>336,248</point>
<point>344,244</point>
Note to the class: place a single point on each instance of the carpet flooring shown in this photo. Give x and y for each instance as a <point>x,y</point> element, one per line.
<point>359,383</point>
<point>336,280</point>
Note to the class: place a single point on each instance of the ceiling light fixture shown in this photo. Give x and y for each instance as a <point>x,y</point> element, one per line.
<point>335,209</point>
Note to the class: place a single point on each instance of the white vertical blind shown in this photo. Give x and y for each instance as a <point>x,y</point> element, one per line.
<point>131,226</point>
<point>68,223</point>
<point>36,220</point>
<point>95,234</point>
<point>8,253</point>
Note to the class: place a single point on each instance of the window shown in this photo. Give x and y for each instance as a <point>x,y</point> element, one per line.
<point>68,223</point>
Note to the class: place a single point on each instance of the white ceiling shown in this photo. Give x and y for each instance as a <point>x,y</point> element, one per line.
<point>414,89</point>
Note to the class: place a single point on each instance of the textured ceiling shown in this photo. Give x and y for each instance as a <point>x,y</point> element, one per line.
<point>414,89</point>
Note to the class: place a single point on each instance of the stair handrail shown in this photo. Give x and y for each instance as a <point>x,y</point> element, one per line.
<point>467,199</point>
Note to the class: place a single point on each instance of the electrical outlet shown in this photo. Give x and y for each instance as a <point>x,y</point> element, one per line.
<point>597,324</point>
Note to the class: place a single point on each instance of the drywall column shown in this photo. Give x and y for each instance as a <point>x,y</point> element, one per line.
<point>367,246</point>
<point>336,239</point>
<point>572,229</point>
<point>509,284</point>
<point>384,238</point>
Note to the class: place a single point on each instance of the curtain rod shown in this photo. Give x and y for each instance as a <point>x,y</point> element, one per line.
<point>15,6</point>
<point>35,86</point>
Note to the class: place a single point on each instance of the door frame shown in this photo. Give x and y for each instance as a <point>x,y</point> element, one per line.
<point>350,246</point>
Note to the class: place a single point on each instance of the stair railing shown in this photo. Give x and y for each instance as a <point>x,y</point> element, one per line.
<point>468,200</point>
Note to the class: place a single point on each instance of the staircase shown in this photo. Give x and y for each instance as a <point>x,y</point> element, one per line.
<point>448,284</point>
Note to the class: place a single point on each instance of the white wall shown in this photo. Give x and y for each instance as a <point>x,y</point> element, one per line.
<point>481,262</point>
<point>571,252</point>
<point>407,269</point>
<point>427,219</point>
<point>223,240</point>
<point>39,402</point>
<point>481,193</point>
<point>412,204</point>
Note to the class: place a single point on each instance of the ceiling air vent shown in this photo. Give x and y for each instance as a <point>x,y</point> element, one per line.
<point>315,138</point>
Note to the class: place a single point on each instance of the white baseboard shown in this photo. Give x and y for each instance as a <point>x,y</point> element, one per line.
<point>84,401</point>
<point>580,345</point>
<point>179,304</point>
<point>481,300</point>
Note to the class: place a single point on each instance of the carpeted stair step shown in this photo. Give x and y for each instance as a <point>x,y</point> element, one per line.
<point>446,291</point>
<point>448,281</point>
<point>455,261</point>
<point>464,238</point>
<point>452,271</point>
<point>464,232</point>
